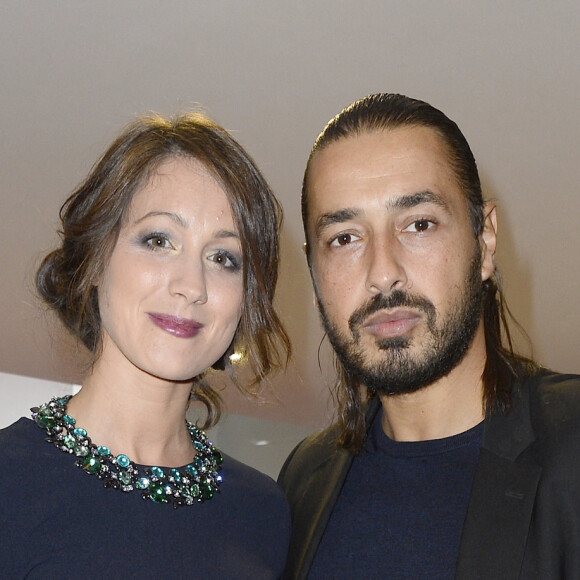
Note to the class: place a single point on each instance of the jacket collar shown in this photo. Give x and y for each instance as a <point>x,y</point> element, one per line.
<point>508,434</point>
<point>502,498</point>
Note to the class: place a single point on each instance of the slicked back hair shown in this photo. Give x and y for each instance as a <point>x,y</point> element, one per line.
<point>386,112</point>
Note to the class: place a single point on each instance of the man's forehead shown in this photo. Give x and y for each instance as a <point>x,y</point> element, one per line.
<point>397,163</point>
<point>401,140</point>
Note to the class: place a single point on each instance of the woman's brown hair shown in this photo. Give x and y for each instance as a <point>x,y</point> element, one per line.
<point>93,215</point>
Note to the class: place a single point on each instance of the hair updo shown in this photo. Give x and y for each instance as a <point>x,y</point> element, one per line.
<point>93,215</point>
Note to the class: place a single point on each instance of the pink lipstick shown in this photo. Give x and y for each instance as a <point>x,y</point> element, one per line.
<point>180,327</point>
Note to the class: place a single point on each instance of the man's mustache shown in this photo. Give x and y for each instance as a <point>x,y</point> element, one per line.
<point>396,299</point>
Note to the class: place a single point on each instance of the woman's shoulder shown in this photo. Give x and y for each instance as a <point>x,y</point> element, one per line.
<point>19,438</point>
<point>248,478</point>
<point>25,456</point>
<point>253,491</point>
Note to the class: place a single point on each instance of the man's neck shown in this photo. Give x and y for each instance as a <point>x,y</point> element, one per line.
<point>450,405</point>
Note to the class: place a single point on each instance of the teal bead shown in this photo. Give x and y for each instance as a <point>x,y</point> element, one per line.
<point>199,445</point>
<point>157,472</point>
<point>69,420</point>
<point>192,470</point>
<point>69,440</point>
<point>176,474</point>
<point>123,460</point>
<point>143,483</point>
<point>79,432</point>
<point>198,462</point>
<point>91,465</point>
<point>103,451</point>
<point>124,477</point>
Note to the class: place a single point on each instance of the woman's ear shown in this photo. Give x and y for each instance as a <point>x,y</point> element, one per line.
<point>488,240</point>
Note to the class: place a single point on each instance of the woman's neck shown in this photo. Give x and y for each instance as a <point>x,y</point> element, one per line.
<point>136,414</point>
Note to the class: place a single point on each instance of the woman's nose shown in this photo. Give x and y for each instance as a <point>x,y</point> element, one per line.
<point>188,280</point>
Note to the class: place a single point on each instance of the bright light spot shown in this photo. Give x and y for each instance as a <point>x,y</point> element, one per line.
<point>236,357</point>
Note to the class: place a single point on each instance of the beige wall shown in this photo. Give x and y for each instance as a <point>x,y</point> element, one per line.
<point>274,72</point>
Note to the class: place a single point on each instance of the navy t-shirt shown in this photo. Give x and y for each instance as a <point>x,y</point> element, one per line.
<point>56,521</point>
<point>401,510</point>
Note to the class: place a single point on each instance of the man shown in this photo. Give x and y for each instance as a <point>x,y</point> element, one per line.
<point>452,457</point>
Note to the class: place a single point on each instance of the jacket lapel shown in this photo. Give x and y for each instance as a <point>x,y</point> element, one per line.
<point>498,519</point>
<point>502,498</point>
<point>314,498</point>
<point>310,520</point>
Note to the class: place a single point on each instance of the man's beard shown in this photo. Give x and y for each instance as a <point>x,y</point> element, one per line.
<point>400,370</point>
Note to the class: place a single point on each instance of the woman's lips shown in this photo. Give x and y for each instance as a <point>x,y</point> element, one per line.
<point>180,327</point>
<point>391,324</point>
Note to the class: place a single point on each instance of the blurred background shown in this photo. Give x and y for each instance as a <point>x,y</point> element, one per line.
<point>73,72</point>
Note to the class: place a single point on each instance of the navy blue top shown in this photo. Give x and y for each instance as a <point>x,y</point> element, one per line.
<point>401,510</point>
<point>58,521</point>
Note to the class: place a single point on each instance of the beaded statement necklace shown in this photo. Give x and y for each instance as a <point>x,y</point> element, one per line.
<point>198,481</point>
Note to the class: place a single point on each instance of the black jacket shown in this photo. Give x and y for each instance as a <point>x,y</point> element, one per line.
<point>523,518</point>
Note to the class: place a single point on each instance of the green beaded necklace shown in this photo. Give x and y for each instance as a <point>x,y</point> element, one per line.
<point>198,481</point>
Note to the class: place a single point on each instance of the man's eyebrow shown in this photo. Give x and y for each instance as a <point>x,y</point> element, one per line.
<point>334,217</point>
<point>398,203</point>
<point>414,199</point>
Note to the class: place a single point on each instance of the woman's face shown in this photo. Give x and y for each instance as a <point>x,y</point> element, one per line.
<point>171,294</point>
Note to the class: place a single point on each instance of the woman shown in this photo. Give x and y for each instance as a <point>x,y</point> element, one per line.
<point>167,266</point>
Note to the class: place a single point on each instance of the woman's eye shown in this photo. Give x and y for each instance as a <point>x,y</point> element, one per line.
<point>158,241</point>
<point>343,240</point>
<point>225,260</point>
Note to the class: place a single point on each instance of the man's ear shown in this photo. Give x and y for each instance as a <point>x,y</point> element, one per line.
<point>488,240</point>
<point>306,251</point>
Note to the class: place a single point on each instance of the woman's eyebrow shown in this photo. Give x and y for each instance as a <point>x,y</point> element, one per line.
<point>220,234</point>
<point>171,215</point>
<point>223,234</point>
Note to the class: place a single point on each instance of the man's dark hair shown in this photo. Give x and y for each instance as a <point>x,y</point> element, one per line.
<point>383,112</point>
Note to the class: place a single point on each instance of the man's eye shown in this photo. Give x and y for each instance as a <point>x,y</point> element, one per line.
<point>421,225</point>
<point>342,240</point>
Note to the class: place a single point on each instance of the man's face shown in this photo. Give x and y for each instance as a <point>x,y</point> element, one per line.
<point>396,266</point>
